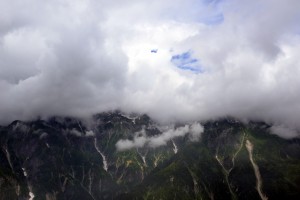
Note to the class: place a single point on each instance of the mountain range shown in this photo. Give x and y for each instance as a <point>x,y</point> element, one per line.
<point>71,158</point>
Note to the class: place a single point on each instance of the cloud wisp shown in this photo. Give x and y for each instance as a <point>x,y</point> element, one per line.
<point>141,139</point>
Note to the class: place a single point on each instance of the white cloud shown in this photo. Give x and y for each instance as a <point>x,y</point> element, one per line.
<point>283,131</point>
<point>141,139</point>
<point>138,141</point>
<point>83,57</point>
<point>89,133</point>
<point>195,131</point>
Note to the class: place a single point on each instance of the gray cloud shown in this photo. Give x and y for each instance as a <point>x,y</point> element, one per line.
<point>83,57</point>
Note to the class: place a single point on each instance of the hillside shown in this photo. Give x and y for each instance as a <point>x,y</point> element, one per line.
<point>66,158</point>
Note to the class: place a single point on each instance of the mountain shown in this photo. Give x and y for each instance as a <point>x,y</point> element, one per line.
<point>68,158</point>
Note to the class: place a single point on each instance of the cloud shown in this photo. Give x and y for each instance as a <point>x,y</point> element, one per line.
<point>83,57</point>
<point>89,133</point>
<point>195,132</point>
<point>141,139</point>
<point>138,141</point>
<point>283,131</point>
<point>75,132</point>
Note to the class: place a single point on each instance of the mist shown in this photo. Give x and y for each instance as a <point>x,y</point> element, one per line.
<point>140,139</point>
<point>173,60</point>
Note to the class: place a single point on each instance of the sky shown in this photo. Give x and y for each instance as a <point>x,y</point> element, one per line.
<point>179,60</point>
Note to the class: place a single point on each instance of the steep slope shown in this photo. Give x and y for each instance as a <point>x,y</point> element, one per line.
<point>65,158</point>
<point>220,166</point>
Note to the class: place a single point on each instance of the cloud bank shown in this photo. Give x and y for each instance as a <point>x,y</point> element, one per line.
<point>141,139</point>
<point>82,57</point>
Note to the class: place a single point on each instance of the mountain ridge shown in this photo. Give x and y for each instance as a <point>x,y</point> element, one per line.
<point>63,158</point>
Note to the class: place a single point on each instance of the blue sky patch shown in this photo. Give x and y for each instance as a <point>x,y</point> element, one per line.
<point>209,2</point>
<point>214,20</point>
<point>185,61</point>
<point>216,16</point>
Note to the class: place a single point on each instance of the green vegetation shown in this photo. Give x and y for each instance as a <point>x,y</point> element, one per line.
<point>66,166</point>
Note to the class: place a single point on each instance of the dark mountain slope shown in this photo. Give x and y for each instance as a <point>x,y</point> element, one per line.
<point>65,158</point>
